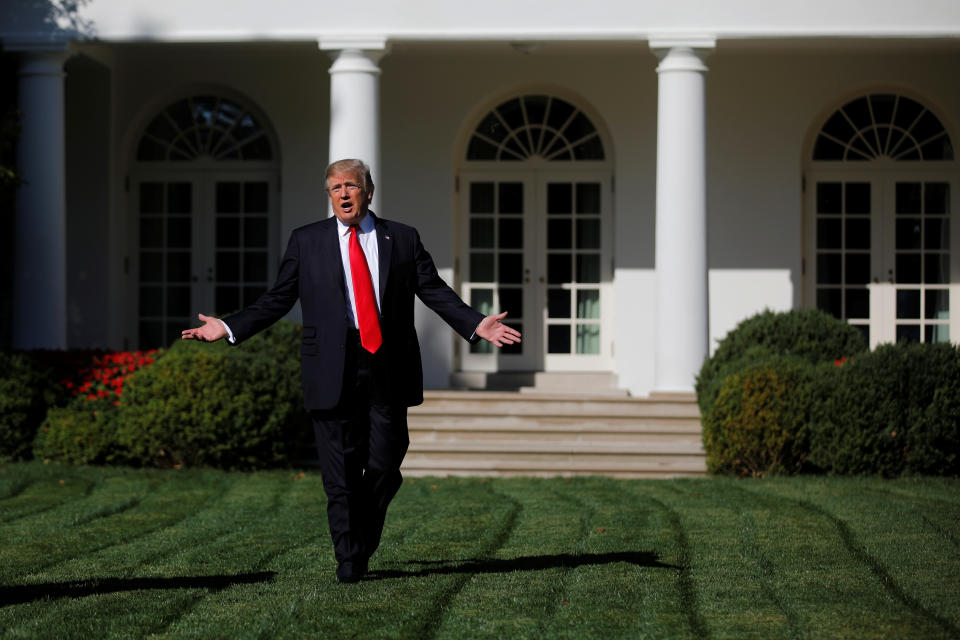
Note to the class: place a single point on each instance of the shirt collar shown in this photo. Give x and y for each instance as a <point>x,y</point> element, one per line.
<point>366,225</point>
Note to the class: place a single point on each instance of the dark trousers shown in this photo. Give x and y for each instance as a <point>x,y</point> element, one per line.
<point>361,443</point>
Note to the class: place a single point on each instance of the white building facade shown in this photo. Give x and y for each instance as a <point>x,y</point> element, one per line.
<point>628,183</point>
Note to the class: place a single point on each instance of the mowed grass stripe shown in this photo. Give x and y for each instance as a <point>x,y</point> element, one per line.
<point>514,589</point>
<point>160,501</point>
<point>912,567</point>
<point>828,586</point>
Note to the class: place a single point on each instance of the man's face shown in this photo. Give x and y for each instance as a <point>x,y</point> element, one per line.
<point>348,198</point>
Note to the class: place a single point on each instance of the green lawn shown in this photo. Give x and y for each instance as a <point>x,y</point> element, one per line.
<point>102,552</point>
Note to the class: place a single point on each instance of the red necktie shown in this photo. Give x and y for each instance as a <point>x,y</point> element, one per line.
<point>367,318</point>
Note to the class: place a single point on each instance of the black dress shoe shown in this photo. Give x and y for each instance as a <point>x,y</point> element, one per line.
<point>349,571</point>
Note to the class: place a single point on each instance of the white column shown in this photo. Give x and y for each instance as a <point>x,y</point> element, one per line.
<point>681,219</point>
<point>355,102</point>
<point>40,261</point>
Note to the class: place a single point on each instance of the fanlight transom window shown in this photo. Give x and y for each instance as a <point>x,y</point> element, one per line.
<point>535,126</point>
<point>883,125</point>
<point>204,127</point>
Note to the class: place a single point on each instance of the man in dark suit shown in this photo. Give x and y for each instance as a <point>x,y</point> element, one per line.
<point>356,276</point>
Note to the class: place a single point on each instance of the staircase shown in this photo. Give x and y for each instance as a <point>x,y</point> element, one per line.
<point>550,433</point>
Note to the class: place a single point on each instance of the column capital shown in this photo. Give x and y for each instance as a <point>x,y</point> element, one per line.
<point>370,47</point>
<point>682,53</point>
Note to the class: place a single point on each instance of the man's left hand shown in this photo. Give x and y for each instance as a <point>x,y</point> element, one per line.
<point>492,330</point>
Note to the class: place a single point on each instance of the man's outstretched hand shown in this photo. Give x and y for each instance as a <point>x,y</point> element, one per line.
<point>211,331</point>
<point>492,330</point>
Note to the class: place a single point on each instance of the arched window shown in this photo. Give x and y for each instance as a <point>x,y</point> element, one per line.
<point>883,125</point>
<point>535,125</point>
<point>208,127</point>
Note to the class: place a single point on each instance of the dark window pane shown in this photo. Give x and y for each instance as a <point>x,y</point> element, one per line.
<point>511,267</point>
<point>255,232</point>
<point>560,111</point>
<point>908,268</point>
<point>827,149</point>
<point>559,197</point>
<point>558,338</point>
<point>481,233</point>
<point>151,267</point>
<point>228,266</point>
<point>588,268</point>
<point>937,305</point>
<point>151,197</point>
<point>578,128</point>
<point>482,301</point>
<point>536,108</point>
<point>178,301</point>
<point>908,233</point>
<point>151,335</point>
<point>858,303</point>
<point>829,233</point>
<point>251,293</point>
<point>481,347</point>
<point>227,299</point>
<point>178,267</point>
<point>559,234</point>
<point>492,127</point>
<point>588,339</point>
<point>588,197</point>
<point>858,268</point>
<point>151,232</point>
<point>511,197</point>
<point>257,149</point>
<point>511,301</point>
<point>588,234</point>
<point>178,233</point>
<point>558,303</point>
<point>908,333</point>
<point>830,301</point>
<point>829,197</point>
<point>481,150</point>
<point>511,233</point>
<point>511,113</point>
<point>151,301</point>
<point>481,197</point>
<point>937,333</point>
<point>936,234</point>
<point>255,197</point>
<point>589,149</point>
<point>936,197</point>
<point>838,127</point>
<point>858,233</point>
<point>228,197</point>
<point>255,266</point>
<point>938,149</point>
<point>936,269</point>
<point>588,303</point>
<point>179,197</point>
<point>908,303</point>
<point>228,232</point>
<point>481,267</point>
<point>513,145</point>
<point>859,111</point>
<point>829,268</point>
<point>908,197</point>
<point>559,268</point>
<point>858,197</point>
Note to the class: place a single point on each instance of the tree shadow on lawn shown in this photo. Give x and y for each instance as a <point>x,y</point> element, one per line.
<point>526,563</point>
<point>82,588</point>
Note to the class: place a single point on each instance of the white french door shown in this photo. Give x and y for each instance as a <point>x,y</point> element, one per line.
<point>205,242</point>
<point>537,244</point>
<point>881,252</point>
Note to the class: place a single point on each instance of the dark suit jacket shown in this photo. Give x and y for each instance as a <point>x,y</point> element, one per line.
<point>312,271</point>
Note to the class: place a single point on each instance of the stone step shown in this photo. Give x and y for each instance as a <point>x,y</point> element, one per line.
<point>652,468</point>
<point>460,403</point>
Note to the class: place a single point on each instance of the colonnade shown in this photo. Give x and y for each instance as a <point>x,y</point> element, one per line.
<point>681,236</point>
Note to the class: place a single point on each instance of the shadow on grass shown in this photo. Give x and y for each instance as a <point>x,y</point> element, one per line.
<point>526,563</point>
<point>82,588</point>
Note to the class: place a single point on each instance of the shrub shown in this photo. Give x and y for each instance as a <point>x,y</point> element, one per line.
<point>25,394</point>
<point>83,432</point>
<point>894,411</point>
<point>809,334</point>
<point>216,405</point>
<point>759,422</point>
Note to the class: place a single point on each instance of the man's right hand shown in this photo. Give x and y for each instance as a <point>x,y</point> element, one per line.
<point>211,331</point>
